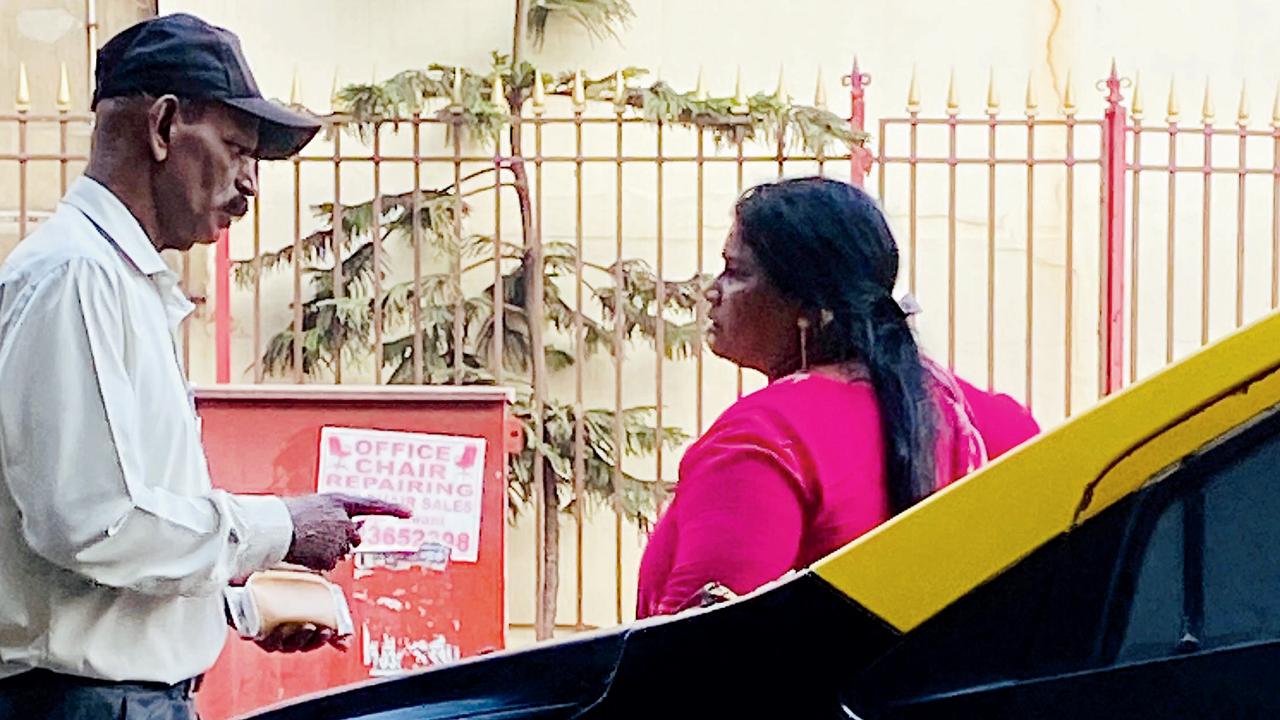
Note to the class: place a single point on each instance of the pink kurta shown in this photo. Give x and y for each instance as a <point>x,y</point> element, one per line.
<point>784,477</point>
<point>1003,422</point>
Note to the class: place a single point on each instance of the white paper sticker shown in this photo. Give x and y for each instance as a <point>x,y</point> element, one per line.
<point>439,477</point>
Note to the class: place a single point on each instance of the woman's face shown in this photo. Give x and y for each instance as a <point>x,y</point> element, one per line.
<point>752,324</point>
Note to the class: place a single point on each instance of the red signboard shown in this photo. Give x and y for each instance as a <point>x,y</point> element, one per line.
<point>411,610</point>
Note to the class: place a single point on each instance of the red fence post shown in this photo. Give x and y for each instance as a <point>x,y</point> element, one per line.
<point>859,156</point>
<point>1114,164</point>
<point>222,307</point>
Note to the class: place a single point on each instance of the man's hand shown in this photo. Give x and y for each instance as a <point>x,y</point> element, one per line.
<point>293,638</point>
<point>323,529</point>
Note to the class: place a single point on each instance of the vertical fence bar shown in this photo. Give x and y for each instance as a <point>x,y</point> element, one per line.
<point>1114,165</point>
<point>1275,203</point>
<point>186,323</point>
<point>1171,254</point>
<point>1135,261</point>
<point>546,503</point>
<point>780,142</point>
<point>953,110</point>
<point>22,164</point>
<point>298,341</point>
<point>376,224</point>
<point>882,148</point>
<point>299,345</point>
<point>782,96</point>
<point>1032,110</point>
<point>780,153</point>
<point>619,339</point>
<point>741,168</point>
<point>579,353</point>
<point>415,232</point>
<point>455,270</point>
<point>1207,171</point>
<point>90,42</point>
<point>859,156</point>
<point>1069,225</point>
<point>660,337</point>
<point>700,244</point>
<point>993,109</point>
<point>499,285</point>
<point>1242,129</point>
<point>64,107</point>
<point>913,187</point>
<point>222,311</point>
<point>257,285</point>
<point>222,282</point>
<point>338,241</point>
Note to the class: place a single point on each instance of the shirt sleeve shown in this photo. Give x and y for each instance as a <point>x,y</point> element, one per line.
<point>739,512</point>
<point>72,439</point>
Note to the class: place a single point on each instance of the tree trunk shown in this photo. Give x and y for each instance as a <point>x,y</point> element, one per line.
<point>549,558</point>
<point>544,479</point>
<point>521,29</point>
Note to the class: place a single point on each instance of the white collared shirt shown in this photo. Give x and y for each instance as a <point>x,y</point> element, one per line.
<point>114,548</point>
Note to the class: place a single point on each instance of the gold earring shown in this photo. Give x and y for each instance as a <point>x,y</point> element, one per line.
<point>803,324</point>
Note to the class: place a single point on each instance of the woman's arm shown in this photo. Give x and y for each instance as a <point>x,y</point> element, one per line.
<point>740,514</point>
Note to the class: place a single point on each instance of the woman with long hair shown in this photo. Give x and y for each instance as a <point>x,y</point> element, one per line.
<point>854,426</point>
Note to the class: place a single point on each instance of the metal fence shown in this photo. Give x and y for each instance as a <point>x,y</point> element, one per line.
<point>1056,257</point>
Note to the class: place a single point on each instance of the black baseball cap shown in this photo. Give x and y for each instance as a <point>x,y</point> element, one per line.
<point>185,56</point>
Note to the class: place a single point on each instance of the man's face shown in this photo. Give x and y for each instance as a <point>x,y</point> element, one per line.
<point>207,175</point>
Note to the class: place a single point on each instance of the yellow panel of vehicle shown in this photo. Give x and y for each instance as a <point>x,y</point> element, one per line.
<point>913,566</point>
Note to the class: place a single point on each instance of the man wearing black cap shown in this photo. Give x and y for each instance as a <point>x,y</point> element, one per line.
<point>114,548</point>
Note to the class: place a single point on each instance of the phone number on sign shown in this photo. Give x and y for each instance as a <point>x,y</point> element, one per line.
<point>415,537</point>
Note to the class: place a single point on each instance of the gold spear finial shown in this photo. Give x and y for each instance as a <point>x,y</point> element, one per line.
<point>497,95</point>
<point>539,92</point>
<point>781,92</point>
<point>1033,105</point>
<point>993,101</point>
<point>1172,112</point>
<point>1206,108</point>
<point>579,92</point>
<point>22,103</point>
<point>953,106</point>
<point>295,88</point>
<point>64,90</point>
<point>1069,98</point>
<point>820,92</point>
<point>1135,105</point>
<point>700,91</point>
<point>455,94</point>
<point>619,89</point>
<point>1242,113</point>
<point>913,93</point>
<point>1275,109</point>
<point>740,104</point>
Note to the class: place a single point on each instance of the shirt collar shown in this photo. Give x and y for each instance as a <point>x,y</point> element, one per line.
<point>105,209</point>
<point>102,207</point>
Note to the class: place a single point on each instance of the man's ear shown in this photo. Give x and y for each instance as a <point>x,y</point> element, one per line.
<point>161,117</point>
